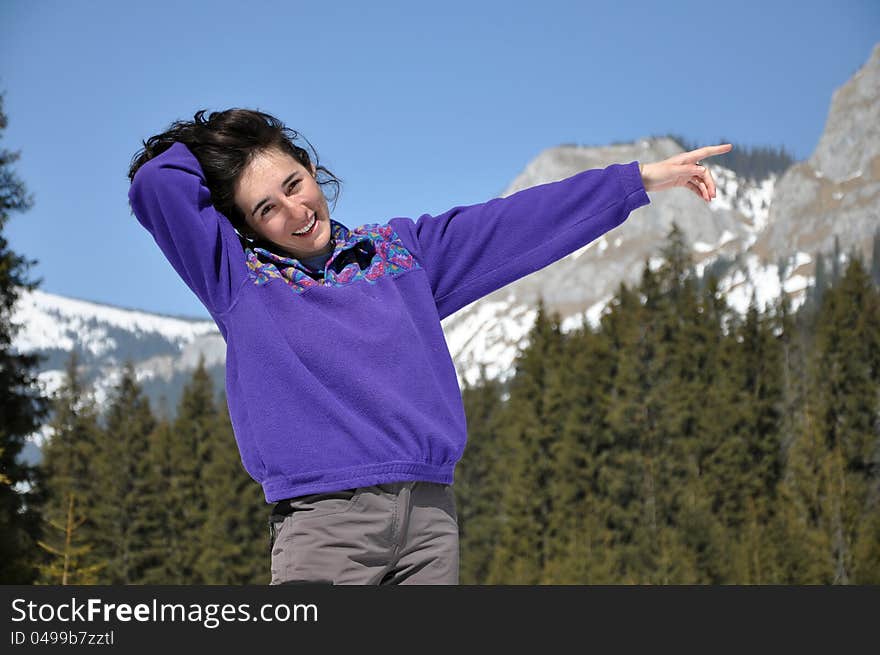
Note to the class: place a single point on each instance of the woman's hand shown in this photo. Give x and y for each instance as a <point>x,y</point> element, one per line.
<point>683,170</point>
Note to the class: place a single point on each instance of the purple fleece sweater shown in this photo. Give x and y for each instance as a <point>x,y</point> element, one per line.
<point>346,381</point>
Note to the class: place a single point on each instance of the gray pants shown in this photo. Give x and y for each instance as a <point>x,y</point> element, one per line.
<point>394,533</point>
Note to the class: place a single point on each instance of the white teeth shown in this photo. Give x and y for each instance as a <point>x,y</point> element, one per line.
<point>309,226</point>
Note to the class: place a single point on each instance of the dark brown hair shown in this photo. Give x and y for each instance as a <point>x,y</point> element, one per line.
<point>224,144</point>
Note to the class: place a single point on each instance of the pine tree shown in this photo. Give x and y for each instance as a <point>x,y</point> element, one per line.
<point>234,535</point>
<point>821,282</point>
<point>579,544</point>
<point>161,516</point>
<point>786,531</point>
<point>67,550</point>
<point>747,464</point>
<point>847,380</point>
<point>527,433</point>
<point>67,461</point>
<point>702,376</point>
<point>477,481</point>
<point>875,260</point>
<point>781,269</point>
<point>121,484</point>
<point>621,461</point>
<point>680,354</point>
<point>801,529</point>
<point>178,455</point>
<point>638,474</point>
<point>650,418</point>
<point>22,405</point>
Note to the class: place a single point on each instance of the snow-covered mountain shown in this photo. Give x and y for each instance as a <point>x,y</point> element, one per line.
<point>164,349</point>
<point>757,226</point>
<point>779,222</point>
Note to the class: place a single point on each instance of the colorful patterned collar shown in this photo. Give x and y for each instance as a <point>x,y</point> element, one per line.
<point>369,252</point>
<point>343,238</point>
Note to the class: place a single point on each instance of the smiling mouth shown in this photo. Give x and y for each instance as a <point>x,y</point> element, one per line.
<point>309,228</point>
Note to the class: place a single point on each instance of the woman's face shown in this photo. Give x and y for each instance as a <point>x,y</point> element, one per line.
<point>279,197</point>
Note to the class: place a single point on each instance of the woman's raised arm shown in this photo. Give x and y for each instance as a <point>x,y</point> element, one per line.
<point>169,197</point>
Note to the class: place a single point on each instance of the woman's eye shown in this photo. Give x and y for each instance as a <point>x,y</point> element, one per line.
<point>268,207</point>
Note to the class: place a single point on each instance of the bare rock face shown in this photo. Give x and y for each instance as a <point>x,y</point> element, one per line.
<point>837,190</point>
<point>850,142</point>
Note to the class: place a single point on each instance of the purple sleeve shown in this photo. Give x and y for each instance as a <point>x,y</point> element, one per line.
<point>170,199</point>
<point>471,251</point>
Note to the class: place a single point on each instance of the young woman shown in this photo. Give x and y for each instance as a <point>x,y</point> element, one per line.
<point>342,393</point>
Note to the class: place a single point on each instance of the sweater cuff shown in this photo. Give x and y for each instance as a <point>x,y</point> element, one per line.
<point>633,186</point>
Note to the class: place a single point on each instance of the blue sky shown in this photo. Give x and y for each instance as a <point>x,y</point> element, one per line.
<point>416,106</point>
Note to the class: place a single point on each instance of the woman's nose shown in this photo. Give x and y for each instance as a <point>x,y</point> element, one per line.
<point>295,208</point>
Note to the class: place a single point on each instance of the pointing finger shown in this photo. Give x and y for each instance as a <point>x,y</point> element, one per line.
<point>709,151</point>
<point>701,153</point>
